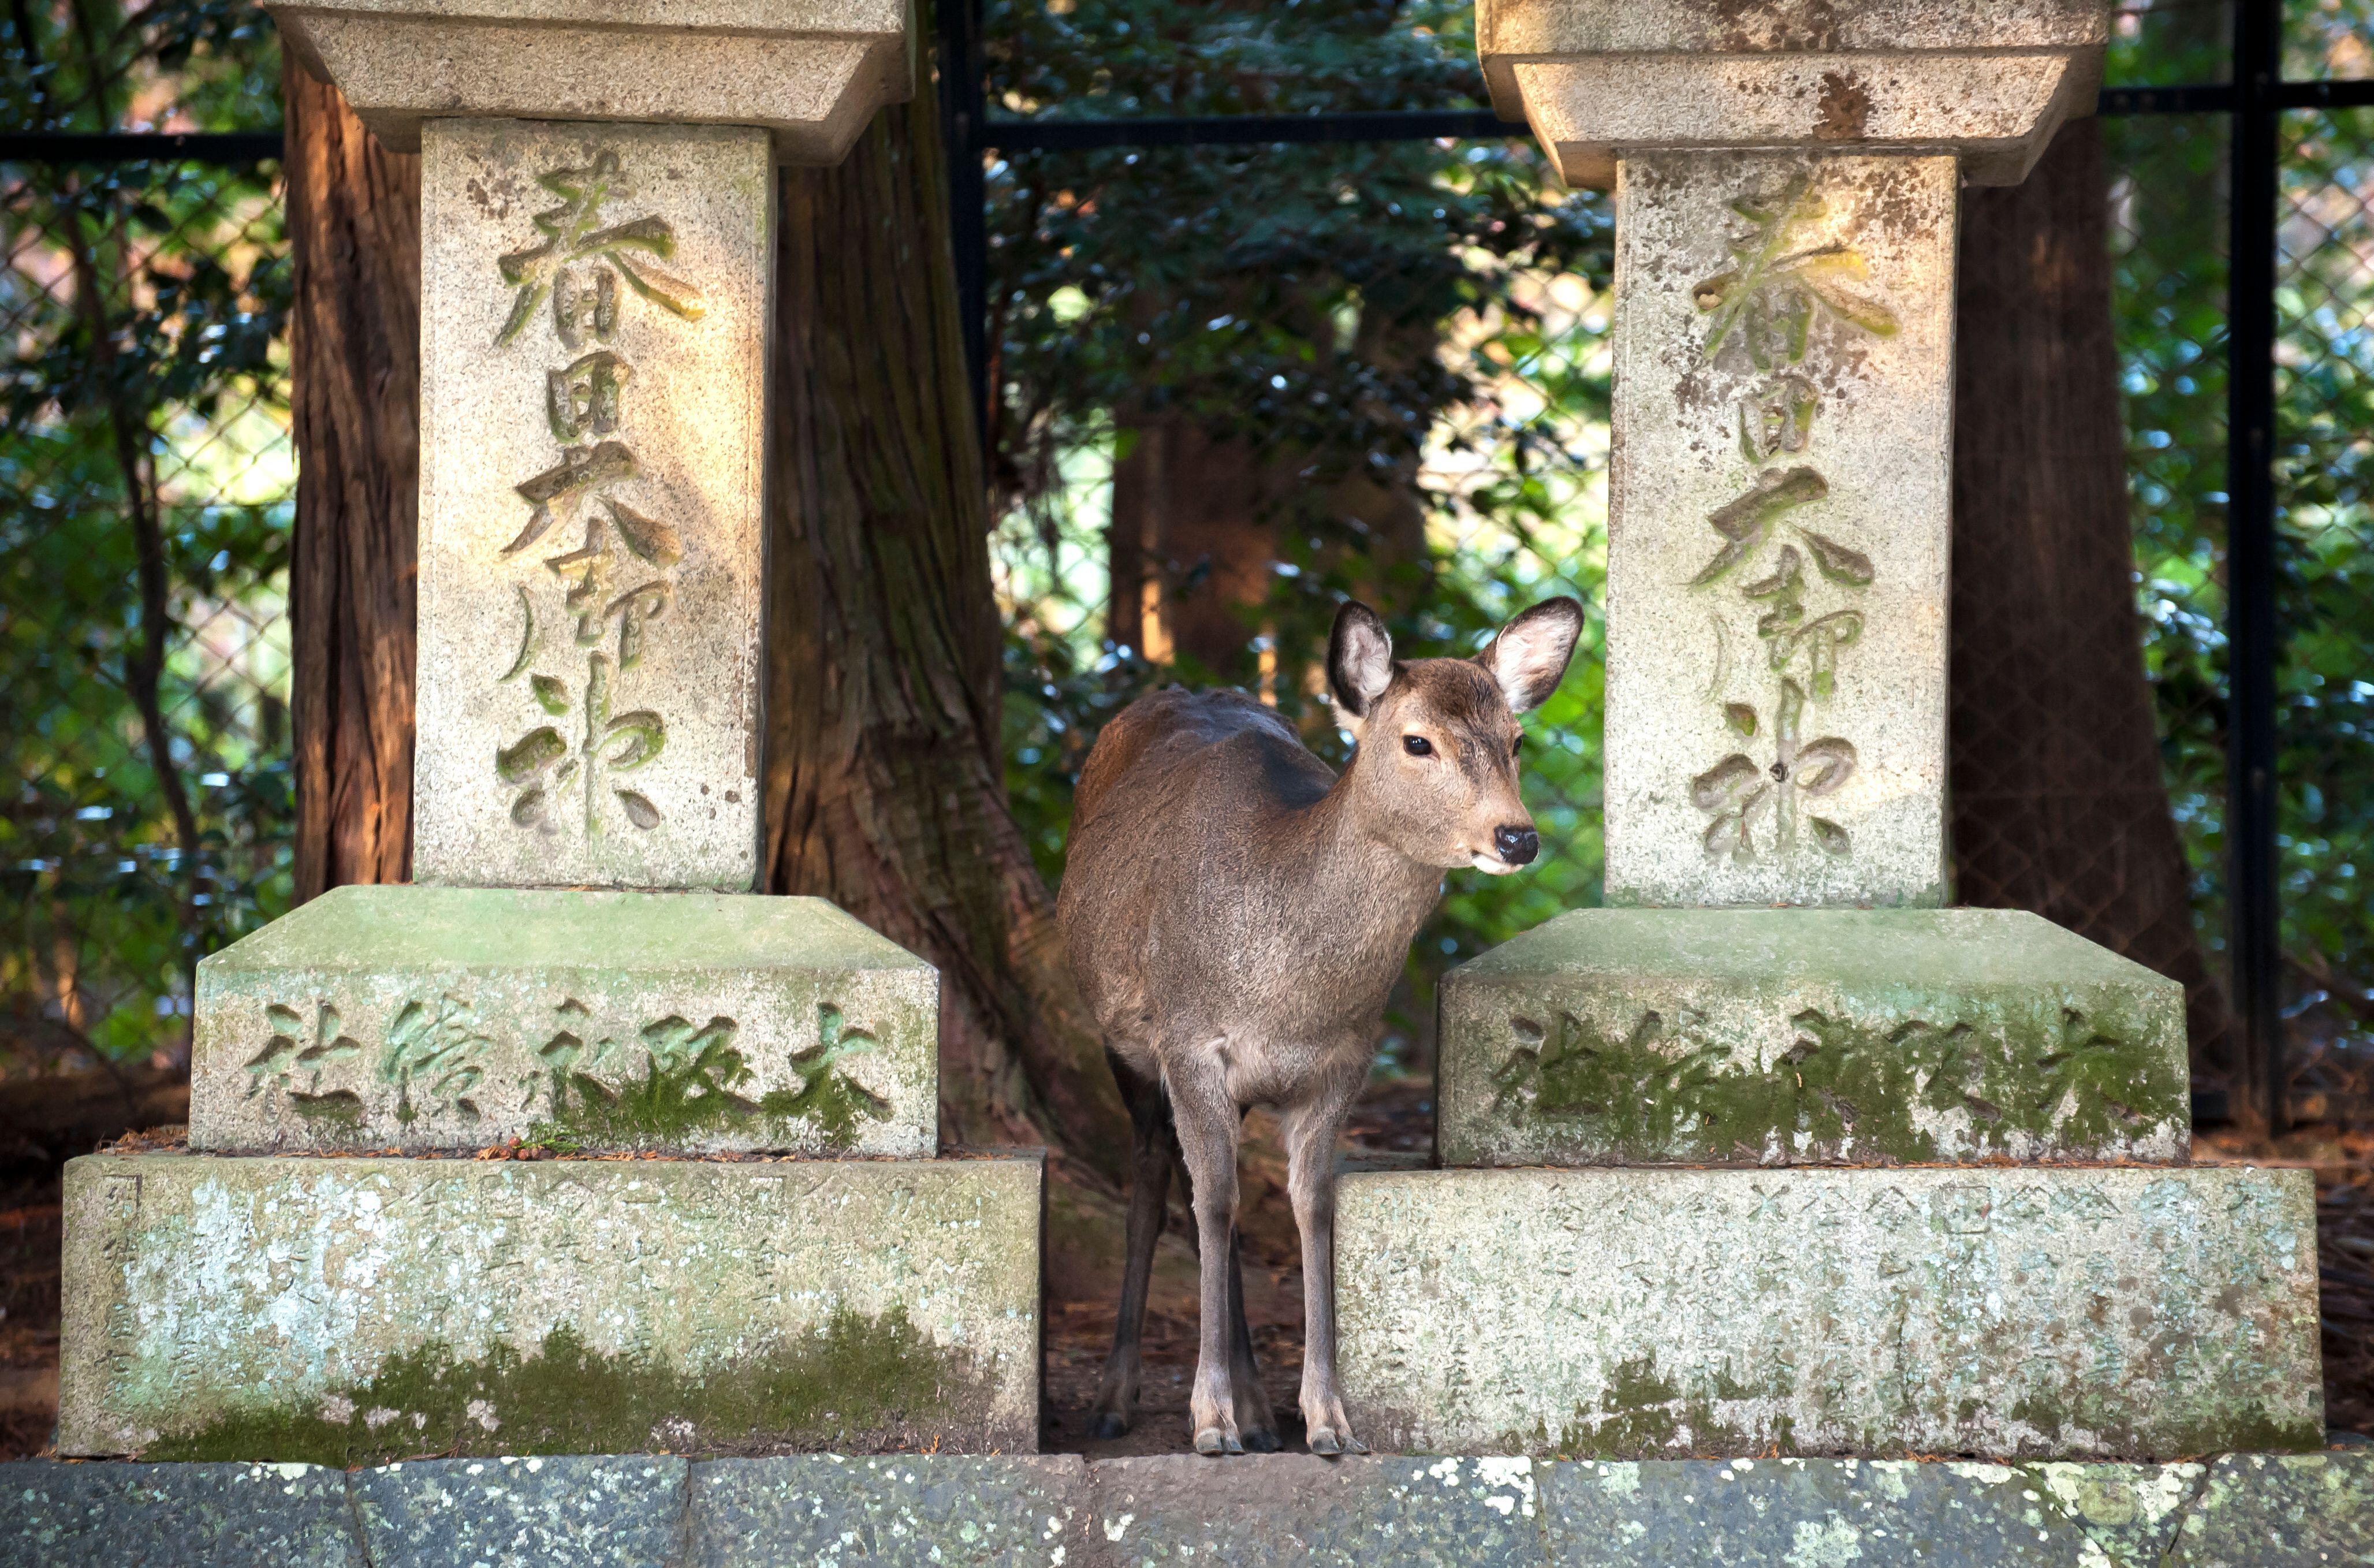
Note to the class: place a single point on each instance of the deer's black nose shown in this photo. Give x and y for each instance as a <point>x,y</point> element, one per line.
<point>1517,845</point>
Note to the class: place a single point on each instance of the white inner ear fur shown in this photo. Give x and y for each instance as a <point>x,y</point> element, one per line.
<point>1367,668</point>
<point>1529,658</point>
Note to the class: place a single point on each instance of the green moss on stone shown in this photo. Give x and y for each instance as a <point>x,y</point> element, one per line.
<point>340,1110</point>
<point>1655,1093</point>
<point>690,1085</point>
<point>1642,1414</point>
<point>861,1383</point>
<point>2235,1422</point>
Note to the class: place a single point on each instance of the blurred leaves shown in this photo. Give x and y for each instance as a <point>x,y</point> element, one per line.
<point>144,308</point>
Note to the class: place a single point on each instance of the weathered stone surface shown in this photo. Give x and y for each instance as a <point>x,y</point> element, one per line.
<point>593,327</point>
<point>1780,505</point>
<point>1601,79</point>
<point>1295,1508</point>
<point>1805,1036</point>
<point>2264,1512</point>
<point>2281,1511</point>
<point>960,1512</point>
<point>812,72</point>
<point>350,1311</point>
<point>2131,1513</point>
<point>420,1018</point>
<point>2003,1312</point>
<point>1675,1514</point>
<point>55,1515</point>
<point>625,1512</point>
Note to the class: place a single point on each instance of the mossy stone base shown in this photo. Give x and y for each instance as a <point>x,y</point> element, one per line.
<point>1802,1036</point>
<point>349,1310</point>
<point>423,1019</point>
<point>2122,1313</point>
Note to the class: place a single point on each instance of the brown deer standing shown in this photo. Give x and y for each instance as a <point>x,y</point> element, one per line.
<point>1236,915</point>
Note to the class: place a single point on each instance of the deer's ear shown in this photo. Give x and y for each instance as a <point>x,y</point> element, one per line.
<point>1359,659</point>
<point>1529,658</point>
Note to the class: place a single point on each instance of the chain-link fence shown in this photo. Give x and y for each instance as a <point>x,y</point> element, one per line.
<point>2324,457</point>
<point>146,476</point>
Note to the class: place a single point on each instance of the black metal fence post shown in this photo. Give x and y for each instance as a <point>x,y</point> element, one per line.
<point>2252,634</point>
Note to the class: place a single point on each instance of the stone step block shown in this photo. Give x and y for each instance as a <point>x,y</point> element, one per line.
<point>1805,1036</point>
<point>419,1019</point>
<point>653,1511</point>
<point>344,1311</point>
<point>2047,1312</point>
<point>596,1511</point>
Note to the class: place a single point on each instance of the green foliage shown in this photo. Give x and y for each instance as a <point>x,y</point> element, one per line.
<point>146,305</point>
<point>2324,475</point>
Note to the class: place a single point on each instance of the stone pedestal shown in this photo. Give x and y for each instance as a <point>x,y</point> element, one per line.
<point>348,1311</point>
<point>591,1022</point>
<point>2017,1262</point>
<point>587,977</point>
<point>1785,1037</point>
<point>2040,1312</point>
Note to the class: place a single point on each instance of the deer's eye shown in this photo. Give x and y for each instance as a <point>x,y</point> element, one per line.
<point>1517,745</point>
<point>1418,746</point>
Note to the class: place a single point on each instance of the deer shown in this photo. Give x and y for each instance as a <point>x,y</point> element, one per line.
<point>1236,911</point>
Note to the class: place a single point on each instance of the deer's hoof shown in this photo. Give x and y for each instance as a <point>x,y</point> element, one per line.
<point>1326,1442</point>
<point>1260,1440</point>
<point>1212,1441</point>
<point>1108,1425</point>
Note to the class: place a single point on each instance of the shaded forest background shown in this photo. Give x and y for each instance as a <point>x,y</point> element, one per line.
<point>1232,384</point>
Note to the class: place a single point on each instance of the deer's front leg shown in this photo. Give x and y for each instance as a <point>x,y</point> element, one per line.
<point>1205,1118</point>
<point>1311,1129</point>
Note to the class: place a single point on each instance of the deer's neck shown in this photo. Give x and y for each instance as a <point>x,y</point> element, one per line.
<point>1370,896</point>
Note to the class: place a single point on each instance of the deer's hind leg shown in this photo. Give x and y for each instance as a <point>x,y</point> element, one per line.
<point>1153,1147</point>
<point>1256,1422</point>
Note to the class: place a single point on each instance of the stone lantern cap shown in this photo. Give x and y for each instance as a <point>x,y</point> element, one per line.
<point>812,72</point>
<point>1991,80</point>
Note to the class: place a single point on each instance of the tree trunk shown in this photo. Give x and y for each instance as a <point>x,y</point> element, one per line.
<point>354,231</point>
<point>1194,536</point>
<point>2059,803</point>
<point>884,784</point>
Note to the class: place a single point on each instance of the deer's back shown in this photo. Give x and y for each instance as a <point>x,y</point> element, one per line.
<point>1173,741</point>
<point>1169,884</point>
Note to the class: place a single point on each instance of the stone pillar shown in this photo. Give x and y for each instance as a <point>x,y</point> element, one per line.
<point>1786,181</point>
<point>1957,1217</point>
<point>1780,518</point>
<point>592,974</point>
<point>592,393</point>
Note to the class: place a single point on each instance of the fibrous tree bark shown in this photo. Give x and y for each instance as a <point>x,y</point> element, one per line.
<point>2059,802</point>
<point>884,784</point>
<point>354,229</point>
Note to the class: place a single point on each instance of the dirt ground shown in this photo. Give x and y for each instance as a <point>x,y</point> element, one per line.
<point>1396,1119</point>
